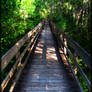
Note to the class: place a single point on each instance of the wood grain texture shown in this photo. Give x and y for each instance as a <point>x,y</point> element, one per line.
<point>45,71</point>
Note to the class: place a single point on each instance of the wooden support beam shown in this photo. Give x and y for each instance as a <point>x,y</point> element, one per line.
<point>61,37</point>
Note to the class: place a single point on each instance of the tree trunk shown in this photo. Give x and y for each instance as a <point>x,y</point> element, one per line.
<point>90,22</point>
<point>81,17</point>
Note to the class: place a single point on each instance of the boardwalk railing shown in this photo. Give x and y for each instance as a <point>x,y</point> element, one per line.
<point>30,39</point>
<point>64,41</point>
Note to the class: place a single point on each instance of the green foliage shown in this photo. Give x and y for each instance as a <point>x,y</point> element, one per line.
<point>83,84</point>
<point>60,21</point>
<point>18,17</point>
<point>72,16</point>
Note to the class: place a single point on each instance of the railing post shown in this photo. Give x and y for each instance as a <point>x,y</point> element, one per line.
<point>75,67</point>
<point>65,43</point>
<point>61,37</point>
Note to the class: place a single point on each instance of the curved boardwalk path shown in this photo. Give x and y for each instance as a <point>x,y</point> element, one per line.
<point>45,71</point>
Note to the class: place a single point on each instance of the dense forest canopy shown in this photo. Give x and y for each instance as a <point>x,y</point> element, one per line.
<point>18,17</point>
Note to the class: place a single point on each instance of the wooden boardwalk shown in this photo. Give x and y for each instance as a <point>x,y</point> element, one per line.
<point>45,71</point>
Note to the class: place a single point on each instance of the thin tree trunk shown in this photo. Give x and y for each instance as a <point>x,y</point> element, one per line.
<point>81,16</point>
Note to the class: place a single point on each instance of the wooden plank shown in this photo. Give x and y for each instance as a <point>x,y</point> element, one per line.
<point>12,52</point>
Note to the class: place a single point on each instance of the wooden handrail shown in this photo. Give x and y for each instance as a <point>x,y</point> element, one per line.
<point>77,48</point>
<point>33,34</point>
<point>5,59</point>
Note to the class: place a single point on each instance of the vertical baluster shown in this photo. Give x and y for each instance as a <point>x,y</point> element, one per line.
<point>28,41</point>
<point>61,37</point>
<point>65,43</point>
<point>76,58</point>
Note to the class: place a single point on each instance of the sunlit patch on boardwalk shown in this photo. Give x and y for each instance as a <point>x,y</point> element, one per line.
<point>51,55</point>
<point>39,50</point>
